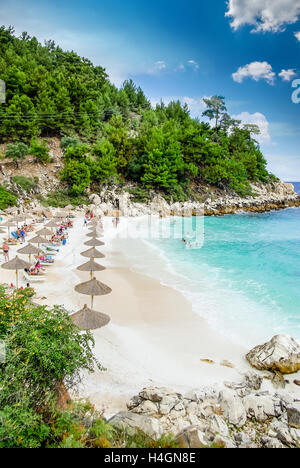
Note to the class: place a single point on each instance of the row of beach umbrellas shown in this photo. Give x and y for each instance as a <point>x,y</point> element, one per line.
<point>17,263</point>
<point>87,318</point>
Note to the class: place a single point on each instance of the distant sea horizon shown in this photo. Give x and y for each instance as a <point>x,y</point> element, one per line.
<point>296,185</point>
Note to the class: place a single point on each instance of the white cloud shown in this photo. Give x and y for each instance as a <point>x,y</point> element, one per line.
<point>287,75</point>
<point>160,65</point>
<point>193,64</point>
<point>297,36</point>
<point>256,71</point>
<point>285,166</point>
<point>257,119</point>
<point>264,15</point>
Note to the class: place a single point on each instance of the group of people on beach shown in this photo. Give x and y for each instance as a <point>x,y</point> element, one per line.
<point>89,216</point>
<point>35,269</point>
<point>20,234</point>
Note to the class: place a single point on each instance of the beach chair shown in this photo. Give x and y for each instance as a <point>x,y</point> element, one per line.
<point>49,250</point>
<point>34,278</point>
<point>48,260</point>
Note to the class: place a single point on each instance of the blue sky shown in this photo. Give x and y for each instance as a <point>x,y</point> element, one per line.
<point>246,50</point>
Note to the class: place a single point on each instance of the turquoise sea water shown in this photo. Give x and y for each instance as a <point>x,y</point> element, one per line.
<point>245,280</point>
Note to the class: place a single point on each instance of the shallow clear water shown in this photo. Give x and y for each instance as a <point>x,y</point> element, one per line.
<point>245,280</point>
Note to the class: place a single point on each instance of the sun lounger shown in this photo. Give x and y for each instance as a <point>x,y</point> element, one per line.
<point>34,278</point>
<point>48,251</point>
<point>42,262</point>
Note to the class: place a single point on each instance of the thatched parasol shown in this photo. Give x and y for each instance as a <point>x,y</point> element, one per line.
<point>88,319</point>
<point>38,240</point>
<point>93,288</point>
<point>91,266</point>
<point>94,243</point>
<point>16,264</point>
<point>44,232</point>
<point>9,224</point>
<point>94,233</point>
<point>18,219</point>
<point>51,224</point>
<point>29,250</point>
<point>61,215</point>
<point>92,253</point>
<point>92,224</point>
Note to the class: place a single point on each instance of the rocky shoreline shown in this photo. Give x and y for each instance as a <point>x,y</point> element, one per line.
<point>275,196</point>
<point>257,412</point>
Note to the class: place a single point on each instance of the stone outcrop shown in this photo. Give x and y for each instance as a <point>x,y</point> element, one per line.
<point>245,414</point>
<point>275,196</point>
<point>281,353</point>
<point>212,417</point>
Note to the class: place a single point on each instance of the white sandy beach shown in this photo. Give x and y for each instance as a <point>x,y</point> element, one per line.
<point>154,336</point>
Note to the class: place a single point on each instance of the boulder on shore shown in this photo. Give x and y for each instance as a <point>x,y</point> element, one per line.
<point>281,353</point>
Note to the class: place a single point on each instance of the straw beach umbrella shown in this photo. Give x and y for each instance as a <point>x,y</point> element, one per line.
<point>9,224</point>
<point>52,224</point>
<point>92,253</point>
<point>18,219</point>
<point>61,215</point>
<point>92,224</point>
<point>16,264</point>
<point>94,243</point>
<point>88,319</point>
<point>91,266</point>
<point>93,288</point>
<point>44,232</point>
<point>29,250</point>
<point>38,240</point>
<point>94,233</point>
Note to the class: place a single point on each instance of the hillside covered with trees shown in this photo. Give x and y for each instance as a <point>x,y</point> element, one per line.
<point>109,134</point>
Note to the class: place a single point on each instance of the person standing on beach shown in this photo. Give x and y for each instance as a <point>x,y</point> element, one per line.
<point>5,249</point>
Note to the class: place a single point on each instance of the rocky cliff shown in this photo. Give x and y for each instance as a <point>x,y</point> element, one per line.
<point>275,196</point>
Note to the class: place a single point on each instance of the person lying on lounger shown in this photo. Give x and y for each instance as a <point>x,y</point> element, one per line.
<point>46,259</point>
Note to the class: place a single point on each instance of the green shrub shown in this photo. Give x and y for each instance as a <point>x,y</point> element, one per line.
<point>17,152</point>
<point>69,141</point>
<point>21,427</point>
<point>26,183</point>
<point>61,199</point>
<point>7,198</point>
<point>40,150</point>
<point>139,194</point>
